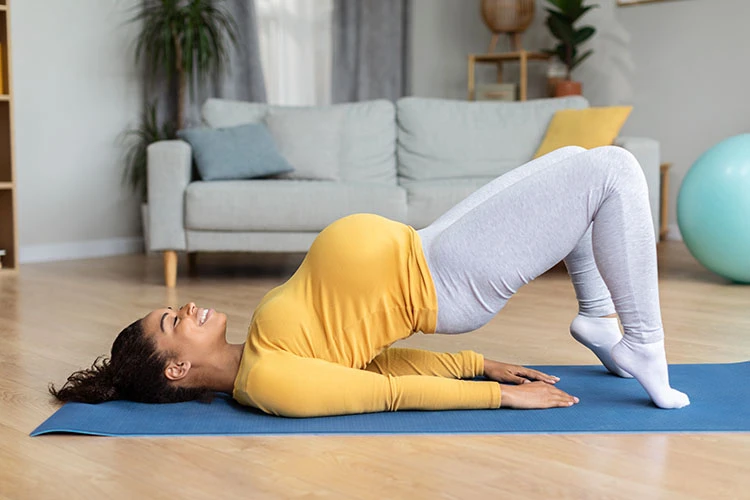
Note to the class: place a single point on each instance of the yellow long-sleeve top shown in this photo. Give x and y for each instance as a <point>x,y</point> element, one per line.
<point>318,344</point>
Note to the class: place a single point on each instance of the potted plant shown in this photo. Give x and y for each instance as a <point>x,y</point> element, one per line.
<point>134,174</point>
<point>180,41</point>
<point>562,24</point>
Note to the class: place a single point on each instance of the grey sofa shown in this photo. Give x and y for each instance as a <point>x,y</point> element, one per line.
<point>409,161</point>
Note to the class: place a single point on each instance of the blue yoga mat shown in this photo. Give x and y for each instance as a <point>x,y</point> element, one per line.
<point>719,393</point>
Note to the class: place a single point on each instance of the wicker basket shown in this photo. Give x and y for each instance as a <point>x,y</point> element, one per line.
<point>508,16</point>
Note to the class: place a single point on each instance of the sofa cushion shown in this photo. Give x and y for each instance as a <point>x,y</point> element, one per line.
<point>286,205</point>
<point>589,128</point>
<point>228,113</point>
<point>428,200</point>
<point>240,152</point>
<point>309,139</point>
<point>366,144</point>
<point>445,139</point>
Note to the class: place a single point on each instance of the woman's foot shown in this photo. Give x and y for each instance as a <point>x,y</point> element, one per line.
<point>600,335</point>
<point>648,363</point>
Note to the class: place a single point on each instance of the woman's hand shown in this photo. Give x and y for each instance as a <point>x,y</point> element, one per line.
<point>535,395</point>
<point>514,374</point>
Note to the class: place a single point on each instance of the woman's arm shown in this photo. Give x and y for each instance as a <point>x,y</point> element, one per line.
<point>288,385</point>
<point>400,361</point>
<point>461,365</point>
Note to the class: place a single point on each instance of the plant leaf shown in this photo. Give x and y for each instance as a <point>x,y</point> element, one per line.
<point>558,3</point>
<point>577,13</point>
<point>560,15</point>
<point>583,34</point>
<point>579,60</point>
<point>560,29</point>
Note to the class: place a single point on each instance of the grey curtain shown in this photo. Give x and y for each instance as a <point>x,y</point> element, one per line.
<point>241,80</point>
<point>370,49</point>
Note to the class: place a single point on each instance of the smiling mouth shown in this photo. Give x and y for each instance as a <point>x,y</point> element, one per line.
<point>203,316</point>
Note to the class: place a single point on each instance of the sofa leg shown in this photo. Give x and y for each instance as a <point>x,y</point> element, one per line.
<point>170,268</point>
<point>192,263</point>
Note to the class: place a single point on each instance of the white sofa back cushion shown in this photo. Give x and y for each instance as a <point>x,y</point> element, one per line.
<point>310,140</point>
<point>445,139</point>
<point>365,135</point>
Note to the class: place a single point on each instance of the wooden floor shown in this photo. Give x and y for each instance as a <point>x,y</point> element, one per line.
<point>57,317</point>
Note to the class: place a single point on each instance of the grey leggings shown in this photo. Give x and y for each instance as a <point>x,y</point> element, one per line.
<point>589,208</point>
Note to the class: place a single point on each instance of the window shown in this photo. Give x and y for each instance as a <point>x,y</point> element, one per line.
<point>296,50</point>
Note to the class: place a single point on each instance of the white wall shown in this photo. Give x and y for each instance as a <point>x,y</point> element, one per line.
<point>76,90</point>
<point>691,79</point>
<point>682,64</point>
<point>443,32</point>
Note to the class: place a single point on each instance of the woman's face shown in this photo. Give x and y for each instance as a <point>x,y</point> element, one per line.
<point>191,333</point>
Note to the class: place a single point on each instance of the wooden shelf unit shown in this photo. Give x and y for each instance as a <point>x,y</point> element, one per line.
<point>8,206</point>
<point>522,56</point>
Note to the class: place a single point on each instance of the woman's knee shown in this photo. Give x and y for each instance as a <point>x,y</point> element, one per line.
<point>572,149</point>
<point>566,152</point>
<point>619,162</point>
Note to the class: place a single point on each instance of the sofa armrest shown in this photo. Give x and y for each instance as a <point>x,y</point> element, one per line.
<point>169,171</point>
<point>647,152</point>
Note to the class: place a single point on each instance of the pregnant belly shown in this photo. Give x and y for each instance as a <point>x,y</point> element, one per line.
<point>359,252</point>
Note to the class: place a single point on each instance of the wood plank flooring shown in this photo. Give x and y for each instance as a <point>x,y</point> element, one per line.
<point>57,317</point>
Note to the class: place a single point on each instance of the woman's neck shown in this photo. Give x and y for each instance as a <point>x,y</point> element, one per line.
<point>226,366</point>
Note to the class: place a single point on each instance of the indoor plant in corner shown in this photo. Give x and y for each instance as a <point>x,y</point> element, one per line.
<point>180,41</point>
<point>136,161</point>
<point>561,23</point>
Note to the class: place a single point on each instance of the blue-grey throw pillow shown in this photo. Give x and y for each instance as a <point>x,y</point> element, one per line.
<point>241,152</point>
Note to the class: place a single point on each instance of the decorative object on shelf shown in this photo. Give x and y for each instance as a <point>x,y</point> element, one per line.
<point>561,23</point>
<point>509,17</point>
<point>713,207</point>
<point>2,254</point>
<point>496,92</point>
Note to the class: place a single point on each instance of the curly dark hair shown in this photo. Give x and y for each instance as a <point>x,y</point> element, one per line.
<point>134,371</point>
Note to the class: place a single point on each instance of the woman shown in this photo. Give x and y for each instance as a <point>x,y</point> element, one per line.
<point>318,344</point>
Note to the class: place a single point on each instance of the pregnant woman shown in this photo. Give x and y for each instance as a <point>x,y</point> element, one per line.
<point>319,344</point>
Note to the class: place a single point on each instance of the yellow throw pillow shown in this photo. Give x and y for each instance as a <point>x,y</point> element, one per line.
<point>588,128</point>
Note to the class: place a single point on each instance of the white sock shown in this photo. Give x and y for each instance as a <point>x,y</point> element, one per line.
<point>648,364</point>
<point>600,335</point>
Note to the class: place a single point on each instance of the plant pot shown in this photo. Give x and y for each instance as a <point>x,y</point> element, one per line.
<point>552,85</point>
<point>568,87</point>
<point>556,72</point>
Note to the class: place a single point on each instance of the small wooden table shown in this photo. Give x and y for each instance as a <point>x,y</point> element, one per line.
<point>664,200</point>
<point>522,56</point>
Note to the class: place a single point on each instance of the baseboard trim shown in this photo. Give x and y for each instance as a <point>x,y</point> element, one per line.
<point>79,250</point>
<point>673,233</point>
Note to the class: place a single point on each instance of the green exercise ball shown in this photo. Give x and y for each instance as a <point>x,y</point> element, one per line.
<point>713,209</point>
